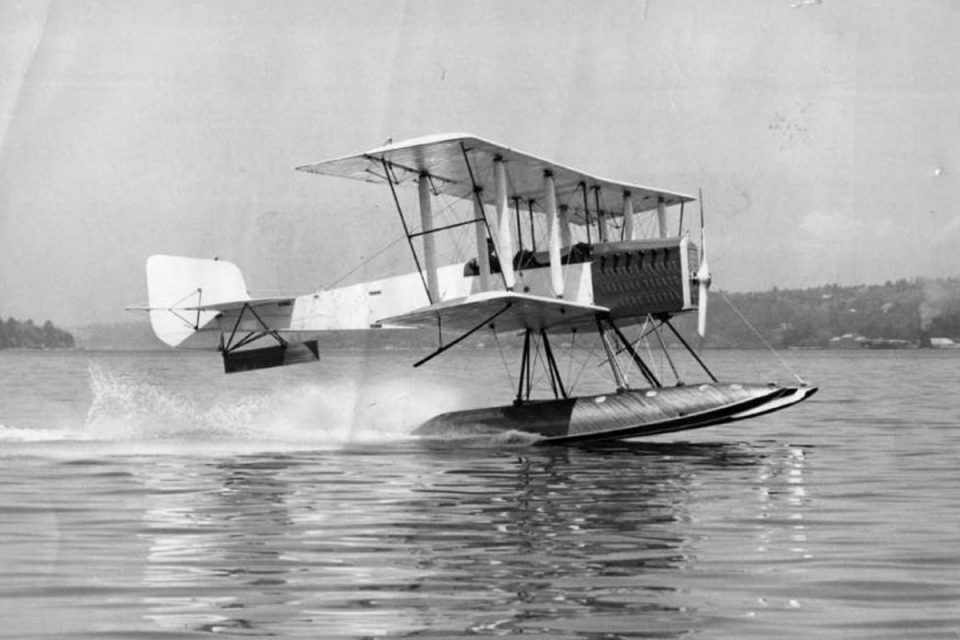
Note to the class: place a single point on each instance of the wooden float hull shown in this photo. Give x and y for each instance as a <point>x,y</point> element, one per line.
<point>623,414</point>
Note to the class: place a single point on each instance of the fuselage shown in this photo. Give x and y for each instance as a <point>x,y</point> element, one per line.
<point>632,278</point>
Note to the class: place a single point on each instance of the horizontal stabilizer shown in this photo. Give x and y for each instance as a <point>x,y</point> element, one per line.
<point>237,305</point>
<point>512,311</point>
<point>277,356</point>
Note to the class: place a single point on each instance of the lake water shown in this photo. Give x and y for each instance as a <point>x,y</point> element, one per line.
<point>150,496</point>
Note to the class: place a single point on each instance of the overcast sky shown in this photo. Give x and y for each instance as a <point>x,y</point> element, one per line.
<point>825,135</point>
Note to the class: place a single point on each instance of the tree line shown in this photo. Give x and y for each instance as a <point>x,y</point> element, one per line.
<point>15,334</point>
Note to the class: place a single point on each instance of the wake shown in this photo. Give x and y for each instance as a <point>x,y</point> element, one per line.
<point>130,409</point>
<point>305,413</point>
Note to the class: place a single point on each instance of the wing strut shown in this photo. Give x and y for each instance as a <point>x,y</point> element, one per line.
<point>601,219</point>
<point>533,235</point>
<point>463,337</point>
<point>516,209</point>
<point>476,194</point>
<point>406,229</point>
<point>586,211</point>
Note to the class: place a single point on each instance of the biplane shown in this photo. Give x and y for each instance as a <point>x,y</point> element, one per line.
<point>599,273</point>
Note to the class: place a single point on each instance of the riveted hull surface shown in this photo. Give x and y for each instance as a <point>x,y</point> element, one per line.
<point>624,414</point>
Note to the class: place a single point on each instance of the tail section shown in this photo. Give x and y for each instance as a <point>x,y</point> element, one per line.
<point>176,286</point>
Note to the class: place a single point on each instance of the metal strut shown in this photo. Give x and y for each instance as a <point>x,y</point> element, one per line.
<point>173,308</point>
<point>229,346</point>
<point>586,211</point>
<point>533,235</point>
<point>524,383</point>
<point>406,230</point>
<point>476,194</point>
<point>601,222</point>
<point>524,378</point>
<point>611,357</point>
<point>637,360</point>
<point>666,353</point>
<point>466,335</point>
<point>516,209</point>
<point>445,227</point>
<point>555,381</point>
<point>666,321</point>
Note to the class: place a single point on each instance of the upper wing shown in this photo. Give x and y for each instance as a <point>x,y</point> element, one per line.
<point>507,310</point>
<point>445,158</point>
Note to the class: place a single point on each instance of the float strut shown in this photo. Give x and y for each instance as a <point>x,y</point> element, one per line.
<point>644,369</point>
<point>524,363</point>
<point>665,321</point>
<point>611,357</point>
<point>555,378</point>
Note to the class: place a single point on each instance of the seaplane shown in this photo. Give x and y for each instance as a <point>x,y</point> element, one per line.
<point>601,273</point>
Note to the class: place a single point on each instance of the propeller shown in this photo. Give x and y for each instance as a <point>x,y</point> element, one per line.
<point>702,278</point>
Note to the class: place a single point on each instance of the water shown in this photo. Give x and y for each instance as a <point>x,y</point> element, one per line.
<point>150,496</point>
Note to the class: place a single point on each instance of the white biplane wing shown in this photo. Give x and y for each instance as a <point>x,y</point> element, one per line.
<point>456,162</point>
<point>507,310</point>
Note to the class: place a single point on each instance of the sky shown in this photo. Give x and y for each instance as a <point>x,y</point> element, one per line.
<point>824,134</point>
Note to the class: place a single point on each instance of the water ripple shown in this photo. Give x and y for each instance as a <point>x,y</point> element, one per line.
<point>835,520</point>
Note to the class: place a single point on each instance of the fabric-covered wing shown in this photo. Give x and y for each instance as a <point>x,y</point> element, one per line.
<point>445,159</point>
<point>509,312</point>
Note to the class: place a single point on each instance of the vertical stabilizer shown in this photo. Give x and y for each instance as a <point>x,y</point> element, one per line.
<point>177,285</point>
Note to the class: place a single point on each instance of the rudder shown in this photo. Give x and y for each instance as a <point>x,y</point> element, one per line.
<point>176,285</point>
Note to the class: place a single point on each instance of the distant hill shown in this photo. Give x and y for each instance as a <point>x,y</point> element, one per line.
<point>910,310</point>
<point>15,334</point>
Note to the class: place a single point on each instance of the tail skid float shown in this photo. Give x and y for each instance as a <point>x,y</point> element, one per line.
<point>609,279</point>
